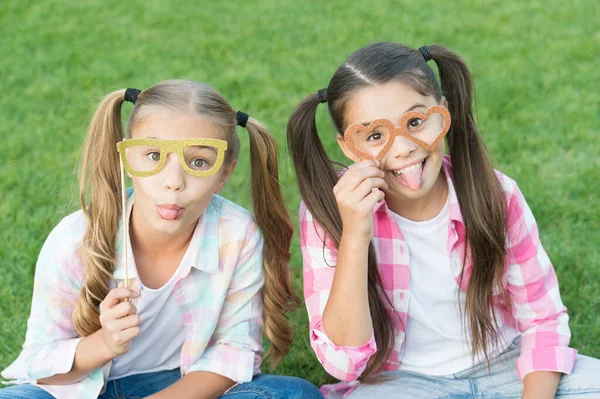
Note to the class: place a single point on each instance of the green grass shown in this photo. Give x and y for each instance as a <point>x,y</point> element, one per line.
<point>535,65</point>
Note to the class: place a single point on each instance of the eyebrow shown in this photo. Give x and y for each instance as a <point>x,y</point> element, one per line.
<point>414,106</point>
<point>208,147</point>
<point>202,147</point>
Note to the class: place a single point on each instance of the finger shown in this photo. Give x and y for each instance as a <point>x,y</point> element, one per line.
<point>125,323</point>
<point>373,199</point>
<point>119,311</point>
<point>117,295</point>
<point>129,334</point>
<point>364,164</point>
<point>354,179</point>
<point>367,186</point>
<point>123,337</point>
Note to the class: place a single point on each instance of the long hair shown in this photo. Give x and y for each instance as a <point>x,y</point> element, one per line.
<point>479,192</point>
<point>100,197</point>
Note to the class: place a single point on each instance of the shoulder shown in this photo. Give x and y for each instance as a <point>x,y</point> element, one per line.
<point>516,206</point>
<point>308,224</point>
<point>317,247</point>
<point>234,221</point>
<point>59,258</point>
<point>509,185</point>
<point>68,234</point>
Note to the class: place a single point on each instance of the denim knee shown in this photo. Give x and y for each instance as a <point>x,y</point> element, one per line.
<point>24,391</point>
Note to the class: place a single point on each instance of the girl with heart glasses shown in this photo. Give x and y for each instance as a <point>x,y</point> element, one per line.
<point>164,290</point>
<point>423,272</point>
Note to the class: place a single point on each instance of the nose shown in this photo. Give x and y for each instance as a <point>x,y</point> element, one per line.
<point>173,174</point>
<point>402,147</point>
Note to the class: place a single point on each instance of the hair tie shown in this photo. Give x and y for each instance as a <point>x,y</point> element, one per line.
<point>322,94</point>
<point>425,52</point>
<point>131,95</point>
<point>242,118</point>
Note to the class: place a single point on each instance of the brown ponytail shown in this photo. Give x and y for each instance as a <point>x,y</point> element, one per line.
<point>100,196</point>
<point>272,218</point>
<point>316,179</point>
<point>481,199</point>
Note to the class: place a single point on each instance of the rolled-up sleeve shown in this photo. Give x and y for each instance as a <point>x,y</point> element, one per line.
<point>532,286</point>
<point>345,363</point>
<point>51,338</point>
<point>235,349</point>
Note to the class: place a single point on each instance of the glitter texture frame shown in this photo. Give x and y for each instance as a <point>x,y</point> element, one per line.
<point>177,146</point>
<point>398,131</point>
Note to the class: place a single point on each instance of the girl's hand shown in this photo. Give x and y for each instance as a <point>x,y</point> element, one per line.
<point>356,194</point>
<point>119,320</point>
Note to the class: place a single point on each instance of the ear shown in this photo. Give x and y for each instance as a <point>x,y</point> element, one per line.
<point>226,172</point>
<point>444,102</point>
<point>346,149</point>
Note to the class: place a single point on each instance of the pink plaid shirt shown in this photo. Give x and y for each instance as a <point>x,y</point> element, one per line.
<point>218,295</point>
<point>538,312</point>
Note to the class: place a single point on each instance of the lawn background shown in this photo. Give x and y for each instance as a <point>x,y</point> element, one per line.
<point>535,66</point>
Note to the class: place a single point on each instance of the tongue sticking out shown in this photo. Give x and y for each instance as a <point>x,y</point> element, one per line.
<point>412,178</point>
<point>169,214</point>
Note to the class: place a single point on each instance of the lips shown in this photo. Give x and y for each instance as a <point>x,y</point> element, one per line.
<point>411,175</point>
<point>169,211</point>
<point>409,167</point>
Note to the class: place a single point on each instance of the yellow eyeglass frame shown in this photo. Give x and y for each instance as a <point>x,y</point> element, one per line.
<point>178,146</point>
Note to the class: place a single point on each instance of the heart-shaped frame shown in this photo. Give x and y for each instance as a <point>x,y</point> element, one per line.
<point>398,131</point>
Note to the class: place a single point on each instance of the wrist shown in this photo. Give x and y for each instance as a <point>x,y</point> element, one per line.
<point>105,354</point>
<point>354,239</point>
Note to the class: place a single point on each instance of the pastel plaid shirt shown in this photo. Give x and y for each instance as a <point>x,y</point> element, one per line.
<point>538,312</point>
<point>218,295</point>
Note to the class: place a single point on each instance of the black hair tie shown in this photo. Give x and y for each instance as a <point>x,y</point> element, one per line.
<point>322,94</point>
<point>242,118</point>
<point>425,52</point>
<point>131,95</point>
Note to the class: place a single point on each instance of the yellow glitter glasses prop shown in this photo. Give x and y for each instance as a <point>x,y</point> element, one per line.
<point>373,141</point>
<point>144,157</point>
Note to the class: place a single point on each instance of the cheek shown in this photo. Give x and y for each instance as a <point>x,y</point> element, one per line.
<point>143,185</point>
<point>201,187</point>
<point>439,150</point>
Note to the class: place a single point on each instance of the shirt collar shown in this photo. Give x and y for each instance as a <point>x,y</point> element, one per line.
<point>202,253</point>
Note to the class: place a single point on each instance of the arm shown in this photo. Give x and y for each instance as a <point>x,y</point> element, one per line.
<point>535,298</point>
<point>337,297</point>
<point>91,354</point>
<point>347,318</point>
<point>51,340</point>
<point>196,385</point>
<point>120,324</point>
<point>541,385</point>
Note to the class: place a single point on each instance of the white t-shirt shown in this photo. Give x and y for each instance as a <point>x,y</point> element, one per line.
<point>162,332</point>
<point>158,347</point>
<point>437,342</point>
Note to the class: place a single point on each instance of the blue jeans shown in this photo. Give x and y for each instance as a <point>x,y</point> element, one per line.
<point>142,385</point>
<point>501,383</point>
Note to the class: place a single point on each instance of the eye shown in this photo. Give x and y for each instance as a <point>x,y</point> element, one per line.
<point>153,156</point>
<point>198,163</point>
<point>415,122</point>
<point>374,136</point>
